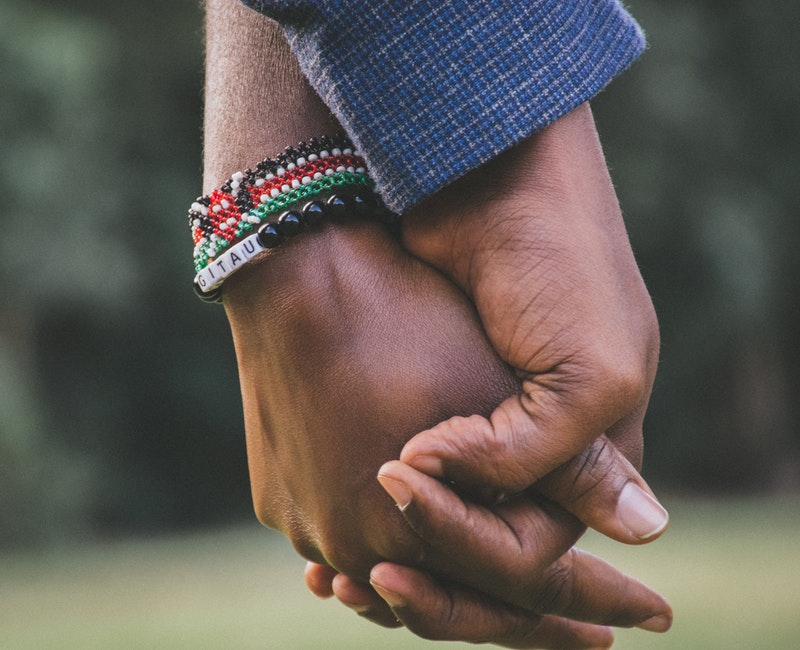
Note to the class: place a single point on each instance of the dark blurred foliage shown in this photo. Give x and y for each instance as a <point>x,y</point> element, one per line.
<point>703,138</point>
<point>119,408</point>
<point>119,404</point>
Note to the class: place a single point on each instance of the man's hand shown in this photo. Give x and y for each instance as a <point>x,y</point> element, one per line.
<point>536,239</point>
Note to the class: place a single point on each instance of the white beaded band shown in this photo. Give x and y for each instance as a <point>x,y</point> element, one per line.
<point>301,188</point>
<point>226,264</point>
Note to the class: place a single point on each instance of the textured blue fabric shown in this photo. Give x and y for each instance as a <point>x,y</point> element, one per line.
<point>429,89</point>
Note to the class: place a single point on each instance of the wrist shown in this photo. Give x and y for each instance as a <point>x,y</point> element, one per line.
<point>259,209</point>
<point>298,281</point>
<point>550,190</point>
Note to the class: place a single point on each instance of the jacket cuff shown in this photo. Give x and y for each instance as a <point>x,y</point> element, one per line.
<point>430,89</point>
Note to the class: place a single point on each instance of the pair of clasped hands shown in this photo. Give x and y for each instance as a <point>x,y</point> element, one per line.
<point>434,421</point>
<point>503,355</point>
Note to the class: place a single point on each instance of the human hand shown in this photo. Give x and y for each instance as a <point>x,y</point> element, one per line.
<point>293,364</point>
<point>347,346</point>
<point>511,556</point>
<point>536,239</point>
<point>553,244</point>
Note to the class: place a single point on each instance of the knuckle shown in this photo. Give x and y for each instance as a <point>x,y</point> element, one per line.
<point>400,545</point>
<point>342,549</point>
<point>355,551</point>
<point>653,344</point>
<point>556,591</point>
<point>470,442</point>
<point>481,441</point>
<point>351,559</point>
<point>476,427</point>
<point>264,516</point>
<point>305,546</point>
<point>622,378</point>
<point>626,379</point>
<point>277,514</point>
<point>476,421</point>
<point>269,507</point>
<point>468,434</point>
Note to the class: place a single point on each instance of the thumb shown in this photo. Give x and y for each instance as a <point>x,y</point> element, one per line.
<point>509,451</point>
<point>602,489</point>
<point>596,483</point>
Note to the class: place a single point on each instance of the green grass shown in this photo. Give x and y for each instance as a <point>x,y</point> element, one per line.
<point>730,569</point>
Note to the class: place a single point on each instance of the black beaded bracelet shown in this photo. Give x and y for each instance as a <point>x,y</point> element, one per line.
<point>255,210</point>
<point>271,234</point>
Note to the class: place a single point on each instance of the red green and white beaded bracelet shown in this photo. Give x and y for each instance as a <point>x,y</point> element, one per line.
<point>257,209</point>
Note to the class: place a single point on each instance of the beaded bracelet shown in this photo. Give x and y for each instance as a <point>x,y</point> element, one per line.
<point>322,178</point>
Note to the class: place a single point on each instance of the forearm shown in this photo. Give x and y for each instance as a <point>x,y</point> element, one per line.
<point>257,101</point>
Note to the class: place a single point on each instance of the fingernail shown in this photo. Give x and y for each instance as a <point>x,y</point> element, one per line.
<point>397,490</point>
<point>659,623</point>
<point>640,513</point>
<point>392,599</point>
<point>430,465</point>
<point>358,609</point>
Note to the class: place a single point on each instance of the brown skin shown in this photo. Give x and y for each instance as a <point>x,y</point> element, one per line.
<point>253,91</point>
<point>536,239</point>
<point>347,347</point>
<point>537,231</point>
<point>336,376</point>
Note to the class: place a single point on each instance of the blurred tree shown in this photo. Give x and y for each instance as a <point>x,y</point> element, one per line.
<point>707,175</point>
<point>110,426</point>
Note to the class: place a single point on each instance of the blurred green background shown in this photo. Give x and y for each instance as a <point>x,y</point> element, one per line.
<point>124,504</point>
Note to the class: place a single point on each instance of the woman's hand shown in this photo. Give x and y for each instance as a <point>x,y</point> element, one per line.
<point>347,346</point>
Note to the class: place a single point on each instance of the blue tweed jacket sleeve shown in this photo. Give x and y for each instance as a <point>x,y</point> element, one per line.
<point>429,89</point>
